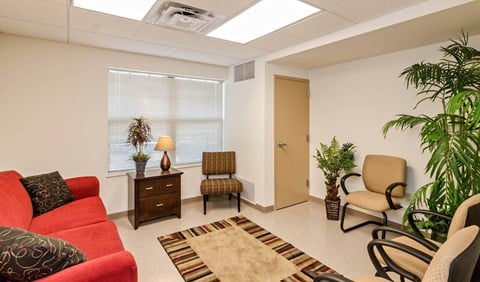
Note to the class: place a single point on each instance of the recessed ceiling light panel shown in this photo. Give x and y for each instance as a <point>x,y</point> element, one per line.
<point>263,18</point>
<point>132,9</point>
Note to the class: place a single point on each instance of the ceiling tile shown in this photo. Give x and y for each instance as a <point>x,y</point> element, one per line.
<point>202,57</point>
<point>360,10</point>
<point>98,40</point>
<point>406,35</point>
<point>37,30</point>
<point>149,48</point>
<point>311,28</point>
<point>188,40</point>
<point>51,12</point>
<point>327,5</point>
<point>89,21</point>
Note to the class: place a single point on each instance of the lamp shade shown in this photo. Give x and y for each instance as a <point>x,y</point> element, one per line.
<point>164,143</point>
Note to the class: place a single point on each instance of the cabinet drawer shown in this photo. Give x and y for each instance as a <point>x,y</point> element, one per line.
<point>155,206</point>
<point>152,187</point>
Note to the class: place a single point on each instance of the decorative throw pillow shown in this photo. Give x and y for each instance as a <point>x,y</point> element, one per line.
<point>26,256</point>
<point>47,191</point>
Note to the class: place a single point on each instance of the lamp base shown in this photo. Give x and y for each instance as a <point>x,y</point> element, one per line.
<point>165,162</point>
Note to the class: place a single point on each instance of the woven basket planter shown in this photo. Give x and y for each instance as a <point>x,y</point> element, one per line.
<point>332,208</point>
<point>140,167</point>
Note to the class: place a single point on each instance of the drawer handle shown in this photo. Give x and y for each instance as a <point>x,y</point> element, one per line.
<point>149,188</point>
<point>169,185</point>
<point>159,205</point>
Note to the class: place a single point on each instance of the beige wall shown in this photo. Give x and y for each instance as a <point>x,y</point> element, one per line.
<point>53,109</point>
<point>354,100</point>
<point>53,112</point>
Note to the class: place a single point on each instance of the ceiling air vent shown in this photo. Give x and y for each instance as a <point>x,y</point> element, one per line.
<point>181,16</point>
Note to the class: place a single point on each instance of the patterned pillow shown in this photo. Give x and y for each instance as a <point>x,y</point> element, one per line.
<point>47,191</point>
<point>26,256</point>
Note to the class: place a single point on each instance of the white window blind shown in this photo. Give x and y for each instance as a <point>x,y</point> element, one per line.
<point>188,109</point>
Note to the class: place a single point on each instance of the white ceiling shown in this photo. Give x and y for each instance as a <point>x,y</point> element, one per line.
<point>58,20</point>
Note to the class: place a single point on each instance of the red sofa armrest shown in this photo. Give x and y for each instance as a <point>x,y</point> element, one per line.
<point>83,186</point>
<point>116,267</point>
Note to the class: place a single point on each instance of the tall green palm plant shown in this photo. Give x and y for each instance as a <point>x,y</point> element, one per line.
<point>452,137</point>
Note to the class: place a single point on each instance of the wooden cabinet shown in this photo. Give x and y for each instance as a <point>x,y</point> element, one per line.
<point>154,194</point>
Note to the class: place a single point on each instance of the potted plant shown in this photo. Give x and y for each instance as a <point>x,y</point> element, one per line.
<point>452,135</point>
<point>334,159</point>
<point>139,133</point>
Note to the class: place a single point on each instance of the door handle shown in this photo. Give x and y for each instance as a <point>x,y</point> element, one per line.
<point>281,144</point>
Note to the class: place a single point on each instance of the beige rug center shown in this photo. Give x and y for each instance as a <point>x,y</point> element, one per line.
<point>234,255</point>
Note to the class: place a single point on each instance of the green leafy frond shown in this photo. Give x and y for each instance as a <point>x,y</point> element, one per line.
<point>335,158</point>
<point>452,136</point>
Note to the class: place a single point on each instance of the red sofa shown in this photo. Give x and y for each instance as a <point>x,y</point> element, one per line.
<point>82,222</point>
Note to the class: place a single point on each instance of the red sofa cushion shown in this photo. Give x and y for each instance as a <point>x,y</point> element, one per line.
<point>83,186</point>
<point>95,240</point>
<point>16,210</point>
<point>74,214</point>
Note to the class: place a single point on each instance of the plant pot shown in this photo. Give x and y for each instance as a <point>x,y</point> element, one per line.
<point>332,208</point>
<point>140,167</point>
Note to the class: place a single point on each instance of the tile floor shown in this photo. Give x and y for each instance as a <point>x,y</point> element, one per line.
<point>304,225</point>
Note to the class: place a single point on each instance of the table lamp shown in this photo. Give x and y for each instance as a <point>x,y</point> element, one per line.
<point>165,143</point>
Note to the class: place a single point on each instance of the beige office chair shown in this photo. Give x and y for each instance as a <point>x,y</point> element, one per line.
<point>467,214</point>
<point>384,179</point>
<point>454,261</point>
<point>219,164</point>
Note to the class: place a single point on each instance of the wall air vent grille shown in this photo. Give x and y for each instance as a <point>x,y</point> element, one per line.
<point>244,71</point>
<point>181,16</point>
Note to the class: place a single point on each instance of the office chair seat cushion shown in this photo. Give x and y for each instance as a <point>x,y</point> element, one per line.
<point>406,261</point>
<point>370,201</point>
<point>220,186</point>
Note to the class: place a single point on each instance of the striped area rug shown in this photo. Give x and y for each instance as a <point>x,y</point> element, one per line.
<point>192,268</point>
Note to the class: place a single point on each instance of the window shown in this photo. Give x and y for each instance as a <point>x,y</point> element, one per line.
<point>188,109</point>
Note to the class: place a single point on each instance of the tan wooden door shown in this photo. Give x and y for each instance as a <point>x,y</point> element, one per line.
<point>291,141</point>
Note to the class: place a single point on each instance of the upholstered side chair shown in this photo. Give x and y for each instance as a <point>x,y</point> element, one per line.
<point>467,214</point>
<point>219,168</point>
<point>384,178</point>
<point>454,261</point>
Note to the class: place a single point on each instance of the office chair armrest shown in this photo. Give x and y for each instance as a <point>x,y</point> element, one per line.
<point>412,221</point>
<point>379,244</point>
<point>330,277</point>
<point>388,194</point>
<point>344,178</point>
<point>388,229</point>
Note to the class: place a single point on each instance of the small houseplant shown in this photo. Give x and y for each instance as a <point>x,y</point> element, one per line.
<point>139,133</point>
<point>451,136</point>
<point>332,160</point>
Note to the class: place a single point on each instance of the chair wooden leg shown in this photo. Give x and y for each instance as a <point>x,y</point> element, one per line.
<point>238,201</point>
<point>229,196</point>
<point>205,199</point>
